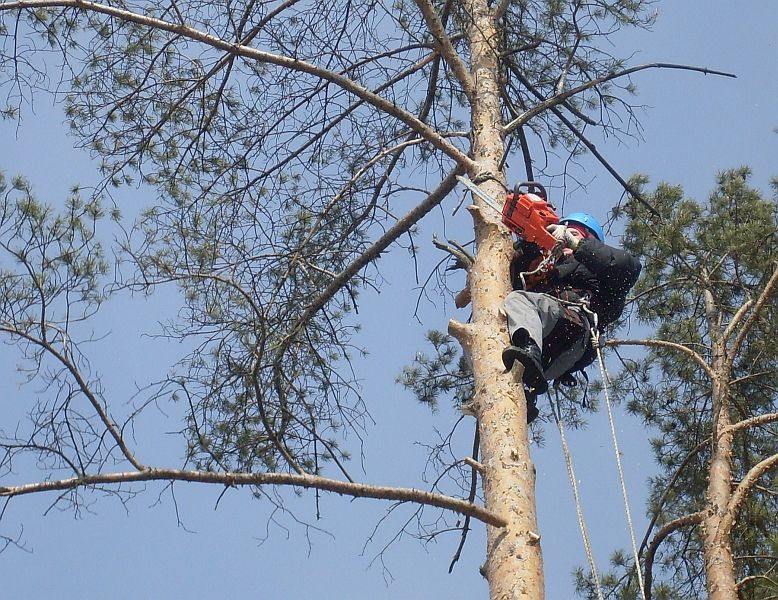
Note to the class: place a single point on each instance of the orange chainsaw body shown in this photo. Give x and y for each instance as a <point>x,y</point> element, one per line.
<point>528,215</point>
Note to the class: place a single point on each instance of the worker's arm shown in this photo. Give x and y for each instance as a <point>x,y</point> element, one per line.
<point>612,266</point>
<point>616,271</point>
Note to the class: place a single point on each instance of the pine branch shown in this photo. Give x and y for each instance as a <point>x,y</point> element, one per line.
<point>83,386</point>
<point>752,422</point>
<point>560,98</point>
<point>665,344</point>
<point>773,582</point>
<point>261,56</point>
<point>743,489</point>
<point>372,253</point>
<point>660,503</point>
<point>357,490</point>
<point>758,305</point>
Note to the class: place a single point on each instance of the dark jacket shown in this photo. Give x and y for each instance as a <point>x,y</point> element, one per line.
<point>595,271</point>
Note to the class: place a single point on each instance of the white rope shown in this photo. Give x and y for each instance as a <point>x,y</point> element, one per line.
<point>576,497</point>
<point>605,382</point>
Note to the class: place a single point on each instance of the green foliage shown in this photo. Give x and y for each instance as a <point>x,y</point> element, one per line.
<point>272,181</point>
<point>702,262</point>
<point>445,372</point>
<point>53,274</point>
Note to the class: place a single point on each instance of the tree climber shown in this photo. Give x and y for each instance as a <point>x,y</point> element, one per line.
<point>548,324</point>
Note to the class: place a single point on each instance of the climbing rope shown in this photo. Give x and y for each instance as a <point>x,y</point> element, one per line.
<point>557,412</point>
<point>605,381</point>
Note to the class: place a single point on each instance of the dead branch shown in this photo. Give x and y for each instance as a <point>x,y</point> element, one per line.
<point>464,258</point>
<point>560,98</point>
<point>438,31</point>
<point>477,468</point>
<point>357,490</point>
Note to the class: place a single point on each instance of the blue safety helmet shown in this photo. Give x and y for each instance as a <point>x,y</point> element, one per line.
<point>587,221</point>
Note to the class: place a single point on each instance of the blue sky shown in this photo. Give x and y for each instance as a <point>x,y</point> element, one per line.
<point>694,126</point>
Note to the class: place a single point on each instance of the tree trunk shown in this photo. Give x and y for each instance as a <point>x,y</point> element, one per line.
<point>719,564</point>
<point>513,562</point>
<point>717,546</point>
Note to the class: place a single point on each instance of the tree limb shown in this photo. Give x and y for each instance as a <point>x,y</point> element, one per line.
<point>381,244</point>
<point>665,344</point>
<point>438,31</point>
<point>472,461</point>
<point>737,318</point>
<point>357,490</point>
<point>113,429</point>
<point>660,536</point>
<point>238,49</point>
<point>743,488</point>
<point>745,580</point>
<point>560,98</point>
<point>752,422</point>
<point>668,489</point>
<point>758,305</point>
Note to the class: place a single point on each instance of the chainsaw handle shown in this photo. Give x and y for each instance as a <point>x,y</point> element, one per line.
<point>530,185</point>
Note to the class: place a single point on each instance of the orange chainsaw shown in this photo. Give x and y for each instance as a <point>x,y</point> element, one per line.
<point>525,214</point>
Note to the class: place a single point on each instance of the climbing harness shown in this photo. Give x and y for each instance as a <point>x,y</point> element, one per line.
<point>557,412</point>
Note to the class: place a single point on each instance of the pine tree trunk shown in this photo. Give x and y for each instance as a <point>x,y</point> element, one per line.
<point>719,564</point>
<point>513,564</point>
<point>717,545</point>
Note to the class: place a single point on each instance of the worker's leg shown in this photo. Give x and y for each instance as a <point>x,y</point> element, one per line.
<point>567,359</point>
<point>531,316</point>
<point>536,313</point>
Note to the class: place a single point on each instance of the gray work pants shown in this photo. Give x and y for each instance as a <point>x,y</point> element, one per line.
<point>539,314</point>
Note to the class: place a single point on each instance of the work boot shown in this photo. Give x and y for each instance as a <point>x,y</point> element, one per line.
<point>527,354</point>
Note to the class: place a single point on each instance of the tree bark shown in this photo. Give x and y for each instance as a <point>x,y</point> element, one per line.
<point>513,564</point>
<point>717,546</point>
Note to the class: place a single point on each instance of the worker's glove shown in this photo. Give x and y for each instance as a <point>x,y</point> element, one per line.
<point>564,235</point>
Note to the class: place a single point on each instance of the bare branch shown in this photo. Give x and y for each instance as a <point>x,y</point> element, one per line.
<point>665,344</point>
<point>357,490</point>
<point>560,98</point>
<point>112,428</point>
<point>447,50</point>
